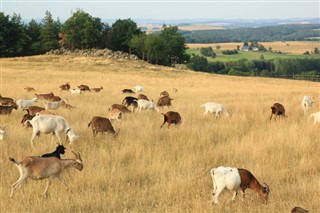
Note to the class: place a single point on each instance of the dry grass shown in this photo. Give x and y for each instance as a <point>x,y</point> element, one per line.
<point>293,47</point>
<point>148,169</point>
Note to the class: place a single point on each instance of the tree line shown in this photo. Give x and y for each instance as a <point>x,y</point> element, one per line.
<point>82,31</point>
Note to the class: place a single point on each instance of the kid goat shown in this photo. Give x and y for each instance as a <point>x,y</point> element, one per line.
<point>234,179</point>
<point>38,168</point>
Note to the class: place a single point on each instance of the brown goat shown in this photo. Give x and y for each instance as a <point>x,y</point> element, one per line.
<point>44,96</point>
<point>278,110</point>
<point>101,124</point>
<point>142,96</point>
<point>164,93</point>
<point>299,210</point>
<point>164,101</point>
<point>65,86</point>
<point>97,89</point>
<point>83,88</point>
<point>171,118</point>
<point>5,101</point>
<point>6,110</point>
<point>120,107</point>
<point>25,118</point>
<point>32,110</point>
<point>29,89</point>
<point>54,98</point>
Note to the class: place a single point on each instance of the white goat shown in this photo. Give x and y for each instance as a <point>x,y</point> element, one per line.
<point>54,104</point>
<point>25,104</point>
<point>144,104</point>
<point>3,131</point>
<point>51,124</point>
<point>75,91</point>
<point>139,88</point>
<point>38,168</point>
<point>316,117</point>
<point>215,108</point>
<point>306,104</point>
<point>234,179</point>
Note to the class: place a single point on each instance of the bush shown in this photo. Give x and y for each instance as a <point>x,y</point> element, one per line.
<point>237,72</point>
<point>207,51</point>
<point>229,52</point>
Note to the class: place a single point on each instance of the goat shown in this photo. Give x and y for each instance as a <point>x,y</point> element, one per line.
<point>164,101</point>
<point>127,91</point>
<point>44,96</point>
<point>5,101</point>
<point>97,89</point>
<point>102,124</point>
<point>144,104</point>
<point>171,118</point>
<point>127,101</point>
<point>53,104</point>
<point>25,104</point>
<point>56,153</point>
<point>164,93</point>
<point>65,86</point>
<point>29,89</point>
<point>7,110</point>
<point>75,91</point>
<point>306,104</point>
<point>45,112</point>
<point>142,96</point>
<point>316,117</point>
<point>54,98</point>
<point>84,88</point>
<point>38,168</point>
<point>278,110</point>
<point>139,88</point>
<point>32,110</point>
<point>234,179</point>
<point>3,132</point>
<point>215,108</point>
<point>299,210</point>
<point>64,105</point>
<point>51,124</point>
<point>25,118</point>
<point>120,107</point>
<point>115,114</point>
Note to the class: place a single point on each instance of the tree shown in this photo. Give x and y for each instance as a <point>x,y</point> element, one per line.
<point>207,51</point>
<point>198,63</point>
<point>122,31</point>
<point>316,50</point>
<point>138,45</point>
<point>33,30</point>
<point>83,31</point>
<point>49,33</point>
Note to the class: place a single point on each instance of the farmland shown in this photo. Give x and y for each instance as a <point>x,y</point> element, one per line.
<point>148,169</point>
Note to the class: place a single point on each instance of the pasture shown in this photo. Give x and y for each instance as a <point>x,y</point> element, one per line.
<point>152,169</point>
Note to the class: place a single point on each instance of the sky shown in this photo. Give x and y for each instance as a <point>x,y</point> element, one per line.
<point>165,9</point>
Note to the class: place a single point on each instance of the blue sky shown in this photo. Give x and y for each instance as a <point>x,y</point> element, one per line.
<point>166,9</point>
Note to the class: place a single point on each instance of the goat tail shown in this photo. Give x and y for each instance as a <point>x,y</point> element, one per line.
<point>14,161</point>
<point>89,124</point>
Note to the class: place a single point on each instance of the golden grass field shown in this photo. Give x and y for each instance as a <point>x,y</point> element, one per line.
<point>148,169</point>
<point>293,47</point>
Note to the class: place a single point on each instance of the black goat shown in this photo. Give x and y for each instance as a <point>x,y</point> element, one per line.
<point>59,151</point>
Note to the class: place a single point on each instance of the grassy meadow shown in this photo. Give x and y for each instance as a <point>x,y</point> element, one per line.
<point>148,169</point>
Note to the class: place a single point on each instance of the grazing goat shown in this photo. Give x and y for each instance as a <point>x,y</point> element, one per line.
<point>45,112</point>
<point>97,89</point>
<point>3,132</point>
<point>215,108</point>
<point>84,88</point>
<point>29,89</point>
<point>120,107</point>
<point>6,110</point>
<point>64,105</point>
<point>25,118</point>
<point>127,91</point>
<point>75,91</point>
<point>306,104</point>
<point>38,168</point>
<point>142,96</point>
<point>102,124</point>
<point>278,110</point>
<point>5,101</point>
<point>164,101</point>
<point>56,153</point>
<point>53,104</point>
<point>164,93</point>
<point>45,96</point>
<point>65,86</point>
<point>316,117</point>
<point>25,104</point>
<point>32,110</point>
<point>54,98</point>
<point>127,101</point>
<point>115,114</point>
<point>299,210</point>
<point>234,179</point>
<point>51,124</point>
<point>171,118</point>
<point>139,88</point>
<point>144,104</point>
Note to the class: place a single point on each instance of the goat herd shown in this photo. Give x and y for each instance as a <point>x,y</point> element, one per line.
<point>42,120</point>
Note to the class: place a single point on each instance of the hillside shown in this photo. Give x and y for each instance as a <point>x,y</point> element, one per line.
<point>149,169</point>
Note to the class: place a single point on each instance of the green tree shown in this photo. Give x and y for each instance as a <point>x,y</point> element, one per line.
<point>83,31</point>
<point>138,45</point>
<point>198,63</point>
<point>207,51</point>
<point>33,30</point>
<point>49,33</point>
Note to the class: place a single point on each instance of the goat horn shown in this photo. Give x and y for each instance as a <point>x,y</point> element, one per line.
<point>76,154</point>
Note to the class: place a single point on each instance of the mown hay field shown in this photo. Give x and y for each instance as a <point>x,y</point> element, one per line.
<point>291,47</point>
<point>149,169</point>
